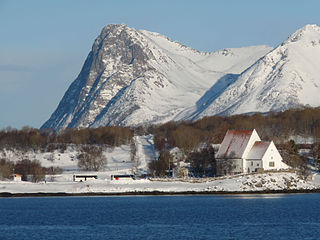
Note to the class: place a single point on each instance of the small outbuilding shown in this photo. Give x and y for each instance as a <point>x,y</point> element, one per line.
<point>17,177</point>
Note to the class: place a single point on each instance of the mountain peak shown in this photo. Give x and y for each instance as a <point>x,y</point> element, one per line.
<point>308,33</point>
<point>310,27</point>
<point>133,77</point>
<point>112,26</point>
<point>284,78</point>
<point>115,29</point>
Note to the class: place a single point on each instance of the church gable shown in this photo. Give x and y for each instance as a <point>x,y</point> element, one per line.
<point>237,143</point>
<point>272,159</point>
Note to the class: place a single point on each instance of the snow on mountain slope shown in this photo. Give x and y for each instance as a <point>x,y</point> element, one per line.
<point>286,77</point>
<point>233,60</point>
<point>133,77</point>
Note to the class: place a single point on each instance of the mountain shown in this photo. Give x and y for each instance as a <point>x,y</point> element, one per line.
<point>284,78</point>
<point>133,77</point>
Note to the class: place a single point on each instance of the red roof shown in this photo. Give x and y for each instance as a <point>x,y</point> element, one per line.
<point>234,143</point>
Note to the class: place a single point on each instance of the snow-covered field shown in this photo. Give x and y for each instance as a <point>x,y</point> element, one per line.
<point>257,182</point>
<point>118,159</point>
<point>119,162</point>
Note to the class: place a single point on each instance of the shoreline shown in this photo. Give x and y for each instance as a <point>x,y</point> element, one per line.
<point>154,193</point>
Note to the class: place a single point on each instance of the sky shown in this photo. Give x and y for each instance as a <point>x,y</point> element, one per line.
<point>43,44</point>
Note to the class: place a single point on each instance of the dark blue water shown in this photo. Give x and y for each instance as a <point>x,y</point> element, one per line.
<point>166,217</point>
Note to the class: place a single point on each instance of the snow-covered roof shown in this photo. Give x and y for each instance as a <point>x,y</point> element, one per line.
<point>258,150</point>
<point>234,143</point>
<point>175,150</point>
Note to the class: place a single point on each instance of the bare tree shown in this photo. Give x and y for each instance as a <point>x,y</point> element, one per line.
<point>316,155</point>
<point>304,171</point>
<point>203,163</point>
<point>33,169</point>
<point>91,158</point>
<point>5,168</point>
<point>133,150</point>
<point>52,171</point>
<point>160,167</point>
<point>225,165</point>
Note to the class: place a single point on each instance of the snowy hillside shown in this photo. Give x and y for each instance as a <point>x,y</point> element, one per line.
<point>119,160</point>
<point>286,77</point>
<point>133,77</point>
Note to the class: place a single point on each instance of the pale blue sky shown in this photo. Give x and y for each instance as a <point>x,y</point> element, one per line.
<point>43,44</point>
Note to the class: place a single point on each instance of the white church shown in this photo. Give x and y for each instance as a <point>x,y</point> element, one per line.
<point>247,153</point>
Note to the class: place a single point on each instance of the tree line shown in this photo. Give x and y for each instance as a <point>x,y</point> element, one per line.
<point>276,126</point>
<point>49,140</point>
<point>30,170</point>
<point>186,135</point>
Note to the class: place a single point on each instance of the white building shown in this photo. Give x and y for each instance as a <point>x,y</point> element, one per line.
<point>17,177</point>
<point>242,151</point>
<point>177,155</point>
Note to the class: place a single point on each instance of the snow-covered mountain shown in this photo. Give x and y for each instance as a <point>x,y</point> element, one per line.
<point>133,77</point>
<point>286,77</point>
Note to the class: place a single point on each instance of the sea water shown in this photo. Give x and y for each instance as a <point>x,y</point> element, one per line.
<point>273,216</point>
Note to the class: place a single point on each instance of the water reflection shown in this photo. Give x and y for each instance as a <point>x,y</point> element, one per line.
<point>257,196</point>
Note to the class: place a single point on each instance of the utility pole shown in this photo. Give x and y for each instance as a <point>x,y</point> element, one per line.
<point>166,146</point>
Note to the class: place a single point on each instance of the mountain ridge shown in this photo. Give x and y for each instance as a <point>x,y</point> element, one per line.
<point>284,78</point>
<point>135,77</point>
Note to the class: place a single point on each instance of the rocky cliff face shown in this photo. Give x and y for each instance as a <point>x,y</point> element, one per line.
<point>133,77</point>
<point>115,60</point>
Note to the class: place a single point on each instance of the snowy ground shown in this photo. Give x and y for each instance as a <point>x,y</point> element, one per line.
<point>119,162</point>
<point>247,183</point>
<point>118,158</point>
